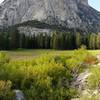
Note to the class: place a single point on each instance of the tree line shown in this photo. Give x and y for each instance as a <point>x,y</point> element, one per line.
<point>57,40</point>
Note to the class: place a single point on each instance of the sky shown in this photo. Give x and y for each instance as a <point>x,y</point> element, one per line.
<point>1,1</point>
<point>94,3</point>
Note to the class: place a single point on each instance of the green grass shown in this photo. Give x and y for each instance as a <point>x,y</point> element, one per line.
<point>28,54</point>
<point>95,52</point>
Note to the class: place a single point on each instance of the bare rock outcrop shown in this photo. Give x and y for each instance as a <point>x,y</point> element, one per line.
<point>75,14</point>
<point>80,81</point>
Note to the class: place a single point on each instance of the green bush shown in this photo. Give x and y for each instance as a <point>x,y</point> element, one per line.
<point>44,80</point>
<point>5,90</point>
<point>76,62</point>
<point>3,59</point>
<point>51,83</point>
<point>94,78</point>
<point>46,77</point>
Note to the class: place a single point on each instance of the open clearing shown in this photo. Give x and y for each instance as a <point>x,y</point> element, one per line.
<point>28,54</point>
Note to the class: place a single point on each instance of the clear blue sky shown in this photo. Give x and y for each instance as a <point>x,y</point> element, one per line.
<point>94,3</point>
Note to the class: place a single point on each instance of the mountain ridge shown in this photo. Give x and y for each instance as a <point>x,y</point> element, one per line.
<point>72,14</point>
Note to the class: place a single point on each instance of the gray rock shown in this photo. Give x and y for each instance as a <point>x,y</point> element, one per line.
<point>69,13</point>
<point>19,95</point>
<point>81,80</point>
<point>27,30</point>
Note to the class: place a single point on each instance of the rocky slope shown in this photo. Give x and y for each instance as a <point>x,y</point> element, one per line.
<point>72,14</point>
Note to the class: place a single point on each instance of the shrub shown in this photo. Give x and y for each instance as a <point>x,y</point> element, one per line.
<point>45,77</point>
<point>42,78</point>
<point>76,62</point>
<point>42,81</point>
<point>94,78</point>
<point>5,90</point>
<point>3,59</point>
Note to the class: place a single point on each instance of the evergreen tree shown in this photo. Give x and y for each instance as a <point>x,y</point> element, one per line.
<point>69,41</point>
<point>1,41</point>
<point>14,39</point>
<point>92,42</point>
<point>21,41</point>
<point>78,40</point>
<point>41,40</point>
<point>87,36</point>
<point>61,41</point>
<point>47,41</point>
<point>55,42</point>
<point>98,41</point>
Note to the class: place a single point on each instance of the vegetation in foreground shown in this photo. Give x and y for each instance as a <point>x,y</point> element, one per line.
<point>25,54</point>
<point>47,77</point>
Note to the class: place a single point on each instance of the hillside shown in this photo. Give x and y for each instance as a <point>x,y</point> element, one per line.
<point>71,14</point>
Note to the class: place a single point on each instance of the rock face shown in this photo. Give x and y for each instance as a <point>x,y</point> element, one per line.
<point>81,81</point>
<point>31,30</point>
<point>68,13</point>
<point>19,95</point>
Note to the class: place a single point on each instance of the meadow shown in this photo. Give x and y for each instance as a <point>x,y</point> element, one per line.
<point>49,74</point>
<point>31,53</point>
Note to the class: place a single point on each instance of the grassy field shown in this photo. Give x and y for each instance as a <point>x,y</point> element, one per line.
<point>32,73</point>
<point>28,54</point>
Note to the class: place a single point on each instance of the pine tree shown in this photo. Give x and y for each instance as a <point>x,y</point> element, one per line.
<point>41,40</point>
<point>98,41</point>
<point>14,39</point>
<point>55,42</point>
<point>78,40</point>
<point>1,41</point>
<point>47,41</point>
<point>61,41</point>
<point>87,36</point>
<point>92,42</point>
<point>52,40</point>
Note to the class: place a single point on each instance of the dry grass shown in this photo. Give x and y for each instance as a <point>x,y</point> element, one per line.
<point>28,54</point>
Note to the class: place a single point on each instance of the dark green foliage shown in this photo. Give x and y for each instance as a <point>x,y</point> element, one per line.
<point>14,39</point>
<point>78,40</point>
<point>56,40</point>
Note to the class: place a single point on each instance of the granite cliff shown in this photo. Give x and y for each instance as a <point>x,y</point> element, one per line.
<point>72,14</point>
